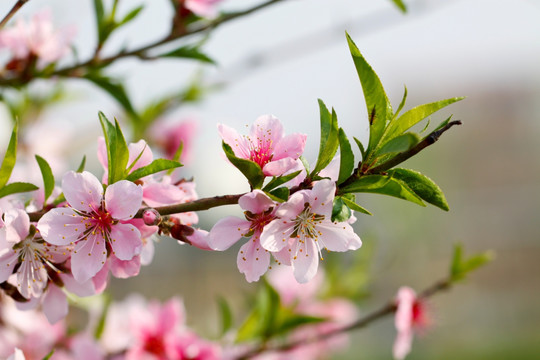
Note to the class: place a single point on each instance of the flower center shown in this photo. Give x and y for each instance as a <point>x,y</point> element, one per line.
<point>154,345</point>
<point>259,221</point>
<point>306,222</point>
<point>261,150</point>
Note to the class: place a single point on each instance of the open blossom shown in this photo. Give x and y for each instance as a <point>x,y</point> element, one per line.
<point>169,136</point>
<point>253,260</point>
<point>92,222</point>
<point>205,8</point>
<point>266,145</point>
<point>410,315</point>
<point>36,38</point>
<point>304,225</point>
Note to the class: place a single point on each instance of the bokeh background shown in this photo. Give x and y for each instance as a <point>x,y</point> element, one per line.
<point>280,61</point>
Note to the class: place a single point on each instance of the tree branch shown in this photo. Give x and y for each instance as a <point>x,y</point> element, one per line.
<point>385,310</point>
<point>19,4</point>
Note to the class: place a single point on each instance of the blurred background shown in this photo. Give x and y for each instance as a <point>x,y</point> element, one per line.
<point>280,61</point>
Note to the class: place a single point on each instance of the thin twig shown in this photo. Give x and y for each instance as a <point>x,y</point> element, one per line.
<point>19,4</point>
<point>385,310</point>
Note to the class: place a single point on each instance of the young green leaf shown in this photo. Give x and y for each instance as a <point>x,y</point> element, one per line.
<point>422,186</point>
<point>9,159</point>
<point>189,52</point>
<point>251,170</point>
<point>49,355</point>
<point>48,177</point>
<point>329,138</point>
<point>152,168</point>
<point>414,116</point>
<point>378,106</point>
<point>280,194</point>
<point>401,5</point>
<point>361,147</point>
<point>82,165</point>
<point>385,185</point>
<point>280,180</point>
<point>17,187</point>
<point>226,315</point>
<point>353,205</point>
<point>461,266</point>
<point>401,104</point>
<point>340,211</point>
<point>131,15</point>
<point>346,165</point>
<point>400,143</point>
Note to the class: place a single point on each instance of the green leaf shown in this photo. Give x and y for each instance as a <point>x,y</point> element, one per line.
<point>384,185</point>
<point>305,163</point>
<point>48,177</point>
<point>117,149</point>
<point>461,266</point>
<point>115,89</point>
<point>226,315</point>
<point>401,104</point>
<point>251,170</point>
<point>422,186</point>
<point>353,205</point>
<point>189,52</point>
<point>100,12</point>
<point>346,165</point>
<point>401,5</point>
<point>400,143</point>
<point>378,106</point>
<point>340,211</point>
<point>17,187</point>
<point>280,194</point>
<point>261,322</point>
<point>48,356</point>
<point>100,327</point>
<point>361,147</point>
<point>82,165</point>
<point>152,168</point>
<point>293,321</point>
<point>329,138</point>
<point>131,15</point>
<point>280,180</point>
<point>413,117</point>
<point>10,158</point>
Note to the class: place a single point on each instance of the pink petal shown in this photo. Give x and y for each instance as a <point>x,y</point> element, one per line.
<point>238,143</point>
<point>306,262</point>
<point>8,260</point>
<point>404,314</point>
<point>17,355</point>
<point>226,232</point>
<point>338,236</point>
<point>276,234</point>
<point>147,252</point>
<point>279,167</point>
<point>290,146</point>
<point>125,241</point>
<point>256,202</point>
<point>124,269</point>
<point>123,199</point>
<point>159,194</point>
<point>293,207</point>
<point>101,278</point>
<point>102,153</point>
<point>84,348</point>
<point>60,226</point>
<point>80,289</point>
<point>322,197</point>
<point>83,191</point>
<point>199,239</point>
<point>55,305</point>
<point>284,255</point>
<point>17,225</point>
<point>88,257</point>
<point>266,128</point>
<point>135,149</point>
<point>253,261</point>
<point>402,344</point>
<point>31,280</point>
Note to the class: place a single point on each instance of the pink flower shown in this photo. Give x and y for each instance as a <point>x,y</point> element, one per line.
<point>93,222</point>
<point>170,135</point>
<point>37,38</point>
<point>190,346</point>
<point>410,315</point>
<point>253,260</point>
<point>304,225</point>
<point>204,8</point>
<point>266,145</point>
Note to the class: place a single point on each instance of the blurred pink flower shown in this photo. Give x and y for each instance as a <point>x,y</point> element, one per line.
<point>17,355</point>
<point>93,221</point>
<point>37,38</point>
<point>266,145</point>
<point>170,135</point>
<point>204,8</point>
<point>304,225</point>
<point>410,316</point>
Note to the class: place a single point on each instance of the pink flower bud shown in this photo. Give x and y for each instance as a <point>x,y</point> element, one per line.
<point>151,217</point>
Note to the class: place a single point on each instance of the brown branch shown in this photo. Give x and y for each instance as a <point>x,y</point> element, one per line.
<point>385,310</point>
<point>19,4</point>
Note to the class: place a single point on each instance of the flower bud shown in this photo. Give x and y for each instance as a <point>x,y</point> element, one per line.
<point>151,217</point>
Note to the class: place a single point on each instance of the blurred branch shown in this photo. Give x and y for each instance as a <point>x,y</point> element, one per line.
<point>387,309</point>
<point>19,4</point>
